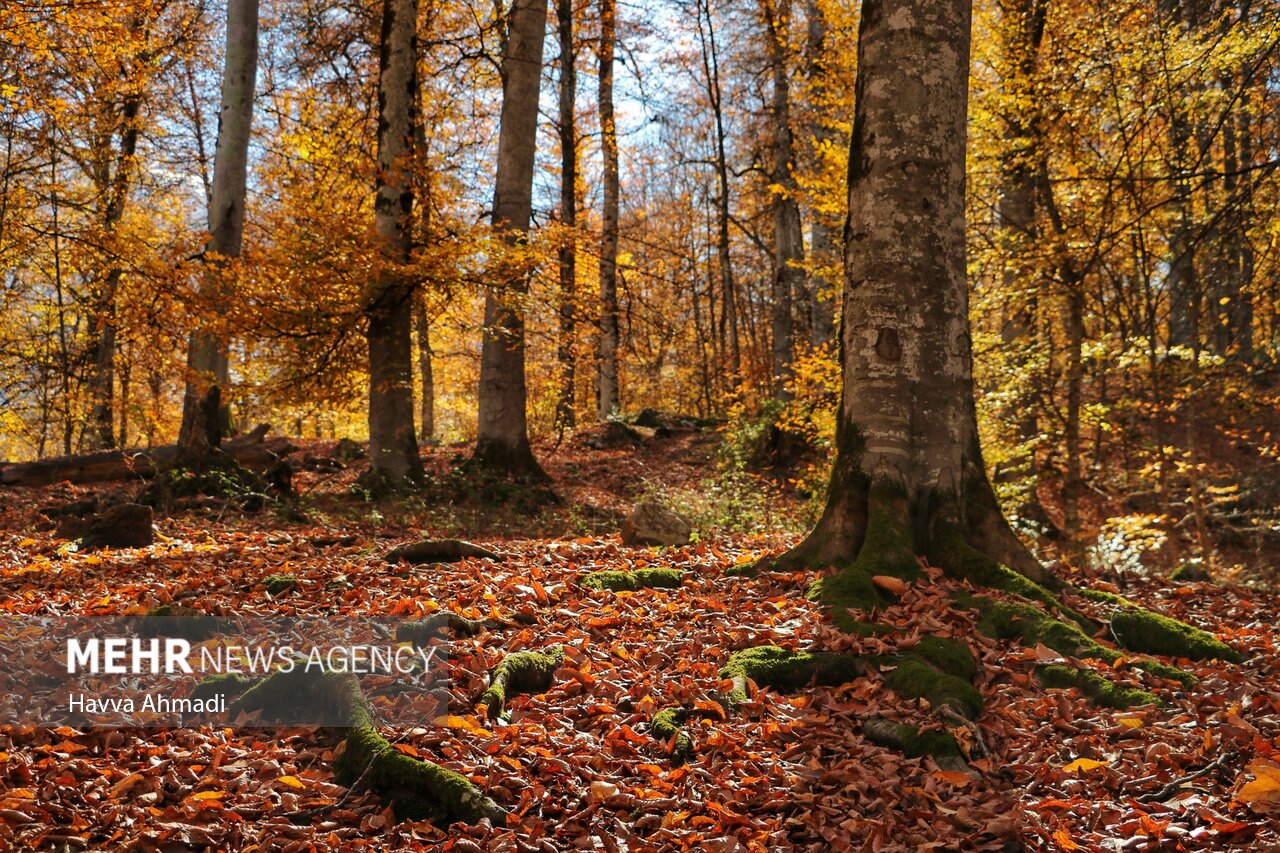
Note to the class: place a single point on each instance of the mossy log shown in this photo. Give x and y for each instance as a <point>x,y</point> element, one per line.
<point>520,672</point>
<point>416,789</point>
<point>439,551</point>
<point>630,581</point>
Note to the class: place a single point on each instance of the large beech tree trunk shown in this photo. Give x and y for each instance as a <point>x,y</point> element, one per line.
<point>907,418</point>
<point>207,362</point>
<point>393,446</point>
<point>607,375</point>
<point>503,436</point>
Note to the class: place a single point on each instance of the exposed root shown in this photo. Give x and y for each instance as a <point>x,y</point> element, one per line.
<point>630,581</point>
<point>917,743</point>
<point>667,727</point>
<point>439,551</point>
<point>521,672</point>
<point>278,584</point>
<point>416,789</point>
<point>912,678</point>
<point>435,626</point>
<point>771,666</point>
<point>1099,690</point>
<point>229,683</point>
<point>1150,633</point>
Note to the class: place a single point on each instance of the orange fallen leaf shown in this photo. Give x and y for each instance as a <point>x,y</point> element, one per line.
<point>1265,787</point>
<point>208,795</point>
<point>897,586</point>
<point>292,781</point>
<point>952,777</point>
<point>1085,765</point>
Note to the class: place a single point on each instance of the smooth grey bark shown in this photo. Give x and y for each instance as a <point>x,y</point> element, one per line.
<point>393,445</point>
<point>607,373</point>
<point>502,441</point>
<point>788,236</point>
<point>566,411</point>
<point>207,359</point>
<point>907,415</point>
<point>102,379</point>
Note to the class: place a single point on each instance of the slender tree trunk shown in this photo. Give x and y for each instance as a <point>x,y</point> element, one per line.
<point>426,370</point>
<point>908,457</point>
<point>207,361</point>
<point>607,377</point>
<point>1185,297</point>
<point>566,410</point>
<point>728,327</point>
<point>102,379</point>
<point>823,288</point>
<point>788,238</point>
<point>503,437</point>
<point>393,445</point>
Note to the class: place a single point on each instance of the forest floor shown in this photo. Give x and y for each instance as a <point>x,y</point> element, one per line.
<point>576,766</point>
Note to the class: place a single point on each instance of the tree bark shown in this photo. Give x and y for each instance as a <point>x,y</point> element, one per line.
<point>207,360</point>
<point>788,238</point>
<point>393,445</point>
<point>566,411</point>
<point>907,421</point>
<point>607,378</point>
<point>823,290</point>
<point>503,437</point>
<point>103,322</point>
<point>426,370</point>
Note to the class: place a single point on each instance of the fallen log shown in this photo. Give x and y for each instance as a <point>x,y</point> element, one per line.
<point>252,450</point>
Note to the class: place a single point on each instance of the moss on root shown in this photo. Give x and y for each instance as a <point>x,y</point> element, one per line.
<point>1162,670</point>
<point>1099,690</point>
<point>916,743</point>
<point>912,678</point>
<point>438,626</point>
<point>416,789</point>
<point>781,669</point>
<point>277,584</point>
<point>947,655</point>
<point>886,550</point>
<point>228,683</point>
<point>1150,633</point>
<point>630,581</point>
<point>1005,620</point>
<point>668,724</point>
<point>521,672</point>
<point>1103,597</point>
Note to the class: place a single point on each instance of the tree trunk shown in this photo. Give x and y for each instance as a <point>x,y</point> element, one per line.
<point>728,328</point>
<point>393,445</point>
<point>503,436</point>
<point>908,458</point>
<point>788,238</point>
<point>102,380</point>
<point>823,288</point>
<point>566,411</point>
<point>607,378</point>
<point>207,361</point>
<point>426,370</point>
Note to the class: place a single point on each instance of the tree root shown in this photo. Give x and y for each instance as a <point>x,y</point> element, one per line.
<point>279,584</point>
<point>630,581</point>
<point>521,672</point>
<point>436,625</point>
<point>1099,690</point>
<point>171,620</point>
<point>416,789</point>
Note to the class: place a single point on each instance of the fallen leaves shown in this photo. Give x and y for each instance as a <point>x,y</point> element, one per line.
<point>1265,787</point>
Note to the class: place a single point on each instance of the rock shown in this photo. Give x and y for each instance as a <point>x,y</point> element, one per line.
<point>439,551</point>
<point>348,450</point>
<point>651,523</point>
<point>121,526</point>
<point>614,434</point>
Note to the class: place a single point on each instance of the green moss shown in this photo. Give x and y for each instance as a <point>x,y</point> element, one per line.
<point>1150,633</point>
<point>629,581</point>
<point>1099,690</point>
<point>171,620</point>
<point>781,669</point>
<point>951,551</point>
<point>886,550</point>
<point>912,678</point>
<point>1030,625</point>
<point>847,623</point>
<point>277,584</point>
<point>1163,670</point>
<point>743,570</point>
<point>1104,597</point>
<point>1191,573</point>
<point>521,672</point>
<point>230,683</point>
<point>669,723</point>
<point>946,655</point>
<point>915,743</point>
